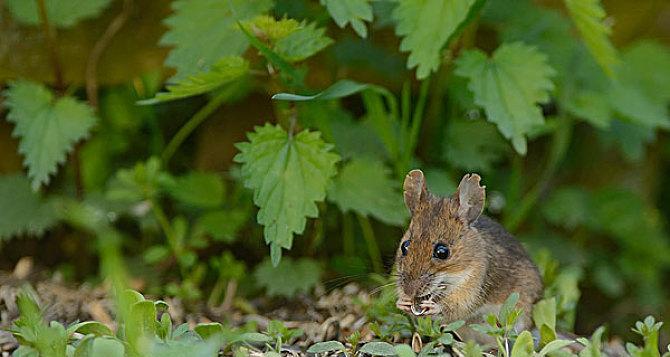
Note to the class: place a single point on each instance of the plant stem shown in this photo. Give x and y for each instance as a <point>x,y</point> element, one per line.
<point>192,124</point>
<point>373,248</point>
<point>52,45</point>
<point>164,223</point>
<point>99,48</point>
<point>559,147</point>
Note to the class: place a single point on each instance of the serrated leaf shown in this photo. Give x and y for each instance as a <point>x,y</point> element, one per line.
<point>355,12</point>
<point>224,71</point>
<point>267,27</point>
<point>197,189</point>
<point>61,13</point>
<point>288,278</point>
<point>509,86</point>
<point>364,186</point>
<point>327,346</point>
<point>473,145</point>
<point>640,93</point>
<point>288,174</point>
<point>204,31</point>
<point>48,127</point>
<point>23,210</point>
<point>378,349</point>
<point>426,26</point>
<point>589,17</point>
<point>302,43</point>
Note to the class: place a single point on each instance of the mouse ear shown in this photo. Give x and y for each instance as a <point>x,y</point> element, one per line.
<point>414,190</point>
<point>470,197</point>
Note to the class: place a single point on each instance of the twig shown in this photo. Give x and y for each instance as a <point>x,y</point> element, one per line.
<point>52,46</point>
<point>99,47</point>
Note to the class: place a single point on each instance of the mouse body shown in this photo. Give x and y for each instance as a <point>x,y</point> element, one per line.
<point>455,262</point>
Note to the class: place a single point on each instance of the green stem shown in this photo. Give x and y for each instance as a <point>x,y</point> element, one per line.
<point>348,245</point>
<point>192,124</point>
<point>373,248</point>
<point>559,147</point>
<point>164,223</point>
<point>417,119</point>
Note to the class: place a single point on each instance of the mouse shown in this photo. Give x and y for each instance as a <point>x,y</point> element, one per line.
<point>457,263</point>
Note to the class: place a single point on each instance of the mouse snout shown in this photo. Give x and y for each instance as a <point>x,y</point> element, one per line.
<point>413,287</point>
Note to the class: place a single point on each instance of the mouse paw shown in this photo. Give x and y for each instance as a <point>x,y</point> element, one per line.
<point>404,304</point>
<point>430,307</point>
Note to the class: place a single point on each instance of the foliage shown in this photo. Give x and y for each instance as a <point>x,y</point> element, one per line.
<point>47,126</point>
<point>589,17</point>
<point>355,12</point>
<point>344,116</point>
<point>204,31</point>
<point>509,86</point>
<point>276,165</point>
<point>426,26</point>
<point>24,211</point>
<point>62,13</point>
<point>288,278</point>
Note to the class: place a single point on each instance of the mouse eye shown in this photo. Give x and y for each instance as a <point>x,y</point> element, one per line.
<point>441,251</point>
<point>404,246</point>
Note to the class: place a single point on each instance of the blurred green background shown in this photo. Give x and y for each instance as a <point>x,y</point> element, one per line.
<point>592,191</point>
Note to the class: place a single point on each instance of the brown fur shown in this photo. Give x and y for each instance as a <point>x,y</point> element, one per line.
<point>486,264</point>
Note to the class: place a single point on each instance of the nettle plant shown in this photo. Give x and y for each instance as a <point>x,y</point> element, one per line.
<point>471,104</point>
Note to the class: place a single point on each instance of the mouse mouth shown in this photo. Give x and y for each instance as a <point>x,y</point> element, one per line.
<point>416,306</point>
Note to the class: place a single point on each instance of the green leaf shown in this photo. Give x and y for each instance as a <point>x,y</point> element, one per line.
<point>589,17</point>
<point>61,13</point>
<point>508,86</point>
<point>365,186</point>
<point>378,349</point>
<point>107,347</point>
<point>204,31</point>
<point>554,346</point>
<point>224,71</point>
<point>302,43</point>
<point>354,12</point>
<point>640,94</point>
<point>473,145</point>
<point>288,278</point>
<point>472,349</point>
<point>31,330</point>
<point>523,346</point>
<point>288,174</point>
<point>209,330</point>
<point>139,183</point>
<point>268,27</point>
<point>426,26</point>
<point>23,211</point>
<point>340,89</point>
<point>567,207</point>
<point>404,350</point>
<point>223,224</point>
<point>48,127</point>
<point>197,189</point>
<point>323,347</point>
<point>92,327</point>
<point>544,317</point>
<point>141,323</point>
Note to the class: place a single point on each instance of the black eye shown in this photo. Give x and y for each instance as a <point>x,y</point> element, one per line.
<point>441,251</point>
<point>404,246</point>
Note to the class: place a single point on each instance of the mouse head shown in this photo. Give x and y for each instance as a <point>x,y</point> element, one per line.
<point>441,245</point>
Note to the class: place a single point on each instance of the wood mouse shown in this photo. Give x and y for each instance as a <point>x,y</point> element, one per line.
<point>455,262</point>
